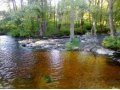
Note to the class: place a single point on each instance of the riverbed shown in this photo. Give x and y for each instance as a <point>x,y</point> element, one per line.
<point>28,69</point>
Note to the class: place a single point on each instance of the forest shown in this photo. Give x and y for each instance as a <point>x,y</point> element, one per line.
<point>40,18</point>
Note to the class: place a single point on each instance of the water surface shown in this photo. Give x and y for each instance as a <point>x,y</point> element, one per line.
<point>23,68</point>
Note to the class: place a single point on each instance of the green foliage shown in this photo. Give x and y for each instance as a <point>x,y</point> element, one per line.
<point>27,21</point>
<point>118,29</point>
<point>73,43</point>
<point>14,32</point>
<point>103,30</point>
<point>19,33</point>
<point>51,30</point>
<point>22,23</point>
<point>69,45</point>
<point>112,43</point>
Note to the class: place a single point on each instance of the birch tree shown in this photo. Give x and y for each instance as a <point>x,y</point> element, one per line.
<point>112,28</point>
<point>72,20</point>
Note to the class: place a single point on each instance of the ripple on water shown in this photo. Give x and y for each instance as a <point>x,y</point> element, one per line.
<point>21,68</point>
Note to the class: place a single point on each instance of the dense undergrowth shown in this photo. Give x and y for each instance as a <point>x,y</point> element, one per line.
<point>112,43</point>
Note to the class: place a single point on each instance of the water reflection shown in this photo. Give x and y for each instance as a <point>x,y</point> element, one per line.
<point>76,70</point>
<point>21,68</point>
<point>14,62</point>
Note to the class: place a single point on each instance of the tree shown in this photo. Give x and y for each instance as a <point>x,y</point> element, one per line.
<point>112,28</point>
<point>81,8</point>
<point>14,5</point>
<point>21,3</point>
<point>94,10</point>
<point>72,21</point>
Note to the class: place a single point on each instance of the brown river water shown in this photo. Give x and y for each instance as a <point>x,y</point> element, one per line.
<point>24,68</point>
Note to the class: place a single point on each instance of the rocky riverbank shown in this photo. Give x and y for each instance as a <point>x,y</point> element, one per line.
<point>88,43</point>
<point>2,33</point>
<point>46,44</point>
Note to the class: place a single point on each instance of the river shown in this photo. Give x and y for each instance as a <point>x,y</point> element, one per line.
<point>26,69</point>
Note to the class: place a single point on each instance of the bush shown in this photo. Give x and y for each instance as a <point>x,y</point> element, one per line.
<point>112,43</point>
<point>14,32</point>
<point>51,30</point>
<point>73,43</point>
<point>104,29</point>
<point>69,45</point>
<point>20,33</point>
<point>88,26</point>
<point>65,31</point>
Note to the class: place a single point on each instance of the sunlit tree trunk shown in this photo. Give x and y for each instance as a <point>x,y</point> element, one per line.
<point>93,30</point>
<point>112,29</point>
<point>72,21</point>
<point>59,17</point>
<point>94,18</point>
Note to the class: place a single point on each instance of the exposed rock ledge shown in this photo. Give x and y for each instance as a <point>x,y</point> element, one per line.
<point>44,44</point>
<point>92,44</point>
<point>88,43</point>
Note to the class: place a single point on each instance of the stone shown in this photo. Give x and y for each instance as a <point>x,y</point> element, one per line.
<point>104,51</point>
<point>24,45</point>
<point>88,43</point>
<point>75,48</point>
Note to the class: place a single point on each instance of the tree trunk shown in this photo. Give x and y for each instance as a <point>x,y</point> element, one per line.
<point>93,30</point>
<point>32,25</point>
<point>43,22</point>
<point>14,5</point>
<point>39,26</point>
<point>112,29</point>
<point>9,6</point>
<point>101,16</point>
<point>90,13</point>
<point>21,4</point>
<point>82,24</point>
<point>30,2</point>
<point>72,21</point>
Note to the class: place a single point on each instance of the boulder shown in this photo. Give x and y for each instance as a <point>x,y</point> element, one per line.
<point>104,51</point>
<point>75,48</point>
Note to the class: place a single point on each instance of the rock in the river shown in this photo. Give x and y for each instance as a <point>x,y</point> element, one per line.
<point>44,44</point>
<point>75,48</point>
<point>88,43</point>
<point>117,54</point>
<point>104,51</point>
<point>118,60</point>
<point>24,45</point>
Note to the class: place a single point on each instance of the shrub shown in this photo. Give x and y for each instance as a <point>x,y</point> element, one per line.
<point>73,43</point>
<point>69,45</point>
<point>51,30</point>
<point>14,32</point>
<point>20,33</point>
<point>112,43</point>
<point>65,31</point>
